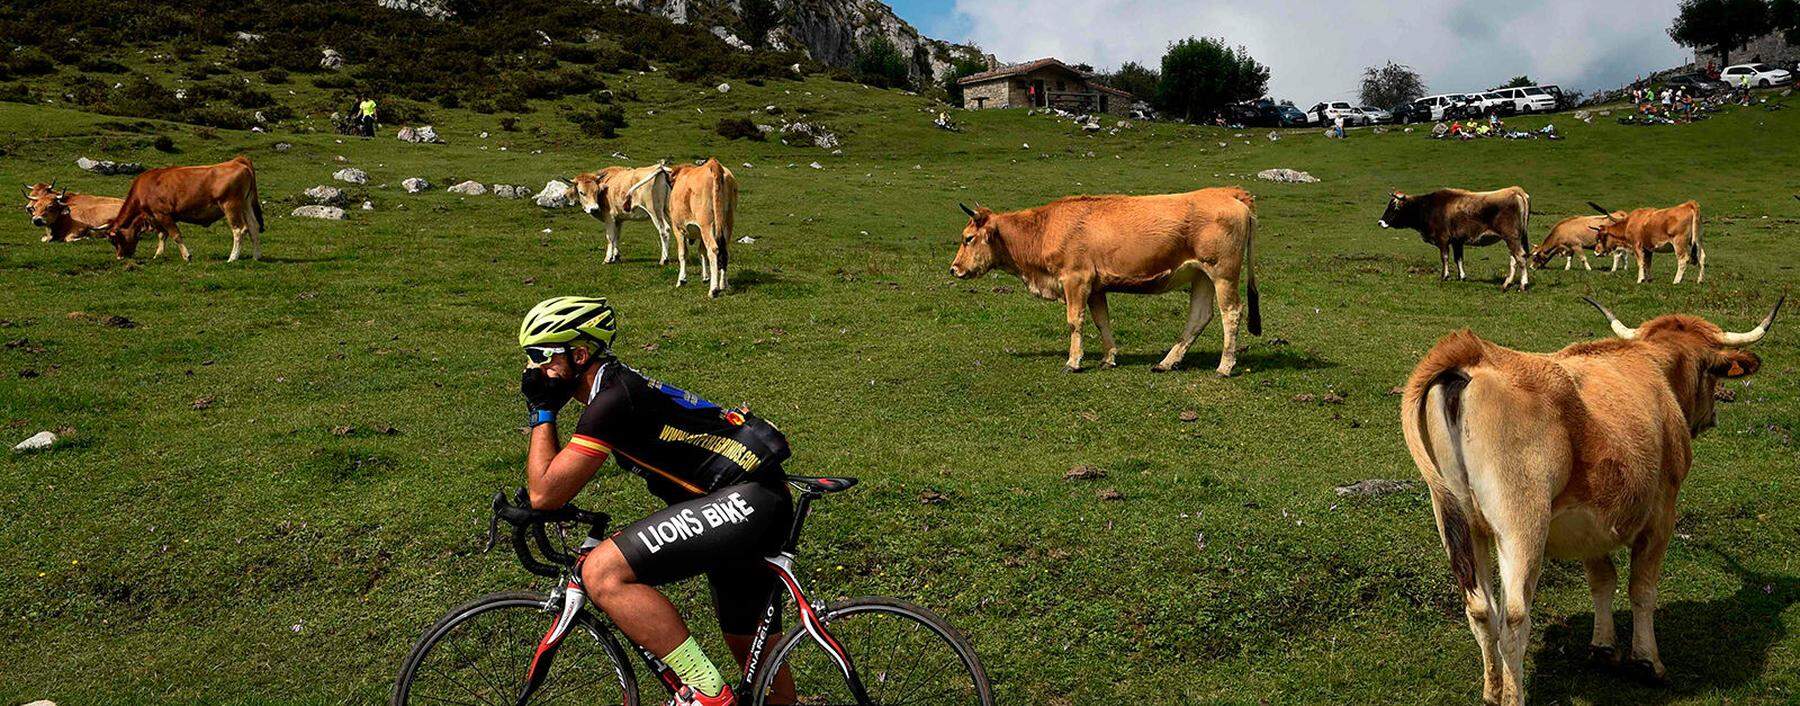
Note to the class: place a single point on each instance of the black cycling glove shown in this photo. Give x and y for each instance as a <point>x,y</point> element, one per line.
<point>544,392</point>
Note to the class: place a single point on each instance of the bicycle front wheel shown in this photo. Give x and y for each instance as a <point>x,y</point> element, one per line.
<point>903,654</point>
<point>479,654</point>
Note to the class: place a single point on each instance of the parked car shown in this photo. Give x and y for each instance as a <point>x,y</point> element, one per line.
<point>1527,99</point>
<point>1376,115</point>
<point>1755,75</point>
<point>1492,102</point>
<point>1414,112</point>
<point>1286,115</point>
<point>1444,106</point>
<point>1328,113</point>
<point>1696,84</point>
<point>1556,92</point>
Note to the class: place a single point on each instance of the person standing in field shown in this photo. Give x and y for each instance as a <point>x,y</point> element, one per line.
<point>365,115</point>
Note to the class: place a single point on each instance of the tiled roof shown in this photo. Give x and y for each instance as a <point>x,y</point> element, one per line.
<point>1030,66</point>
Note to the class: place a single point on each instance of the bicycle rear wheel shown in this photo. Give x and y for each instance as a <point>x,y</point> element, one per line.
<point>904,655</point>
<point>480,651</point>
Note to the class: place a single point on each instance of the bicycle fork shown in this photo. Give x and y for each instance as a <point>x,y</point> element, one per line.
<point>783,565</point>
<point>572,599</point>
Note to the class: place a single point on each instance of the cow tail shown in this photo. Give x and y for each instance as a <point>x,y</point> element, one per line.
<point>1435,393</point>
<point>723,205</point>
<point>1524,220</point>
<point>1250,274</point>
<point>256,208</point>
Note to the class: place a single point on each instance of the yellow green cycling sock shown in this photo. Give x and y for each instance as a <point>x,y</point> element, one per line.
<point>695,670</point>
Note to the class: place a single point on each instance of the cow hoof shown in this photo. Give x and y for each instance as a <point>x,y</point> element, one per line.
<point>1073,369</point>
<point>1646,672</point>
<point>1160,368</point>
<point>1108,364</point>
<point>714,294</point>
<point>1602,655</point>
<point>1222,373</point>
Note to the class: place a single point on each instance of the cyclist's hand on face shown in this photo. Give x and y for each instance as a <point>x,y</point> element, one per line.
<point>542,391</point>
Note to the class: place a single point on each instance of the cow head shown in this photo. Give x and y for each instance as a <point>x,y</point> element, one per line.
<point>1399,213</point>
<point>124,232</point>
<point>1608,233</point>
<point>1701,354</point>
<point>976,254</point>
<point>44,204</point>
<point>589,191</point>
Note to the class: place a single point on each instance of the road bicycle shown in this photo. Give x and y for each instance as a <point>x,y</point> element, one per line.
<point>525,647</point>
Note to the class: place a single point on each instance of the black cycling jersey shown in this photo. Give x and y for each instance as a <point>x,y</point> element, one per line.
<point>681,445</point>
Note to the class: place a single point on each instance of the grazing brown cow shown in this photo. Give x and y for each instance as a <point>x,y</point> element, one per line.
<point>1647,230</point>
<point>1571,454</point>
<point>1078,248</point>
<point>201,195</point>
<point>1570,238</point>
<point>703,205</point>
<point>618,194</point>
<point>65,215</point>
<point>1452,218</point>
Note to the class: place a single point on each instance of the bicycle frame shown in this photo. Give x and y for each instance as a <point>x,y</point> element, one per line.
<point>568,601</point>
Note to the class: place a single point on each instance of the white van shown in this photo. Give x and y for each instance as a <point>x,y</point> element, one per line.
<point>1528,99</point>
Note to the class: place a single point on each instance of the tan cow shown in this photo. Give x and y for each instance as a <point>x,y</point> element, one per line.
<point>1078,248</point>
<point>1570,237</point>
<point>65,215</point>
<point>1648,230</point>
<point>1573,455</point>
<point>703,205</point>
<point>619,194</point>
<point>200,195</point>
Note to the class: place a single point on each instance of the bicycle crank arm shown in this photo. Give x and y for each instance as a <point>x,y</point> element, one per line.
<point>572,599</point>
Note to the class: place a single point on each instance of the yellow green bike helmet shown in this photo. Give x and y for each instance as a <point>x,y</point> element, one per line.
<point>561,321</point>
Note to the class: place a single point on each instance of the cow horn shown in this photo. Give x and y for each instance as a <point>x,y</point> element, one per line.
<point>1623,331</point>
<point>27,189</point>
<point>967,210</point>
<point>1602,209</point>
<point>1740,340</point>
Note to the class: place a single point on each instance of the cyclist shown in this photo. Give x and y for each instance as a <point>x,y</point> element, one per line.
<point>718,469</point>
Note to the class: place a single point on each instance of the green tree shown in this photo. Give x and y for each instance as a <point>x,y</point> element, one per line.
<point>1517,82</point>
<point>959,69</point>
<point>1390,85</point>
<point>1719,26</point>
<point>880,65</point>
<point>1784,17</point>
<point>1134,78</point>
<point>1201,76</point>
<point>759,17</point>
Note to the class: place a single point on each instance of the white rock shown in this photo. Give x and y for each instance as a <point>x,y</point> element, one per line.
<point>1287,175</point>
<point>352,175</point>
<point>368,206</point>
<point>746,240</point>
<point>724,88</point>
<point>326,195</point>
<point>38,442</point>
<point>330,213</point>
<point>471,188</point>
<point>554,195</point>
<point>816,165</point>
<point>330,59</point>
<point>415,185</point>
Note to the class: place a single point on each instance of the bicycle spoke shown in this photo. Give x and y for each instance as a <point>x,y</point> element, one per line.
<point>472,692</point>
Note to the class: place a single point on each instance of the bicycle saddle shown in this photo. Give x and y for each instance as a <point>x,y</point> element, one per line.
<point>822,485</point>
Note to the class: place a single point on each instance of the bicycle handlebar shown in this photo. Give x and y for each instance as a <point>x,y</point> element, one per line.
<point>528,521</point>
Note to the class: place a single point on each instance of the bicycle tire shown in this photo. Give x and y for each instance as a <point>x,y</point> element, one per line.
<point>461,615</point>
<point>980,691</point>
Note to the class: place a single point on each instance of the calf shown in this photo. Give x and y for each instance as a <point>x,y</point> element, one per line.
<point>1648,230</point>
<point>201,195</point>
<point>703,205</point>
<point>65,215</point>
<point>1078,248</point>
<point>1452,218</point>
<point>1569,238</point>
<point>619,194</point>
<point>1573,455</point>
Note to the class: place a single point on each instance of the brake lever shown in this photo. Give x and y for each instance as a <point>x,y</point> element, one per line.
<point>494,523</point>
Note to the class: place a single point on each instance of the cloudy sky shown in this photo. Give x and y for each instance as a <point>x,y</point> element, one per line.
<point>1316,50</point>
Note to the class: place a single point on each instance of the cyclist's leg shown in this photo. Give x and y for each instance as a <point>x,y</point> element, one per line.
<point>640,611</point>
<point>741,591</point>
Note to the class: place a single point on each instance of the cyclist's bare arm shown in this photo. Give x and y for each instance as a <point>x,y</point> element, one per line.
<point>554,475</point>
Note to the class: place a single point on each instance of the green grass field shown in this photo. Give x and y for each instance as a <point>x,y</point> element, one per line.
<point>253,551</point>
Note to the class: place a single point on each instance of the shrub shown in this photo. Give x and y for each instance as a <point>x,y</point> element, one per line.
<point>100,64</point>
<point>739,129</point>
<point>449,101</point>
<point>16,93</point>
<point>275,75</point>
<point>334,82</point>
<point>163,143</point>
<point>601,122</point>
<point>30,62</point>
<point>511,103</point>
<point>510,123</point>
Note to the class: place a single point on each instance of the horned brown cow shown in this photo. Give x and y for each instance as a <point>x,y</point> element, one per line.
<point>703,206</point>
<point>1571,237</point>
<point>1079,248</point>
<point>65,215</point>
<point>201,195</point>
<point>1452,218</point>
<point>1647,230</point>
<point>1572,455</point>
<point>615,195</point>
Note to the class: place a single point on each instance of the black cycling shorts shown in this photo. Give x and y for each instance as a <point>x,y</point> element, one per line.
<point>725,535</point>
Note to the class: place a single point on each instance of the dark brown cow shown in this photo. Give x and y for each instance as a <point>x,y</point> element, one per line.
<point>161,198</point>
<point>1574,455</point>
<point>1647,230</point>
<point>65,215</point>
<point>1452,218</point>
<point>1079,248</point>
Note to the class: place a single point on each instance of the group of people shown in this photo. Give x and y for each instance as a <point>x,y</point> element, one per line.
<point>1493,126</point>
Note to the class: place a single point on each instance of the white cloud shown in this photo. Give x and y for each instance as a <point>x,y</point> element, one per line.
<point>1317,51</point>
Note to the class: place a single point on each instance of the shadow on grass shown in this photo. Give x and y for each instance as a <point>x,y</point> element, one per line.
<point>1256,357</point>
<point>1706,646</point>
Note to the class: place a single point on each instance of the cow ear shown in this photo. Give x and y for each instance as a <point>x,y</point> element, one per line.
<point>1735,364</point>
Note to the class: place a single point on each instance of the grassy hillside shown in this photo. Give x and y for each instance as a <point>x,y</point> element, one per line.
<point>255,550</point>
